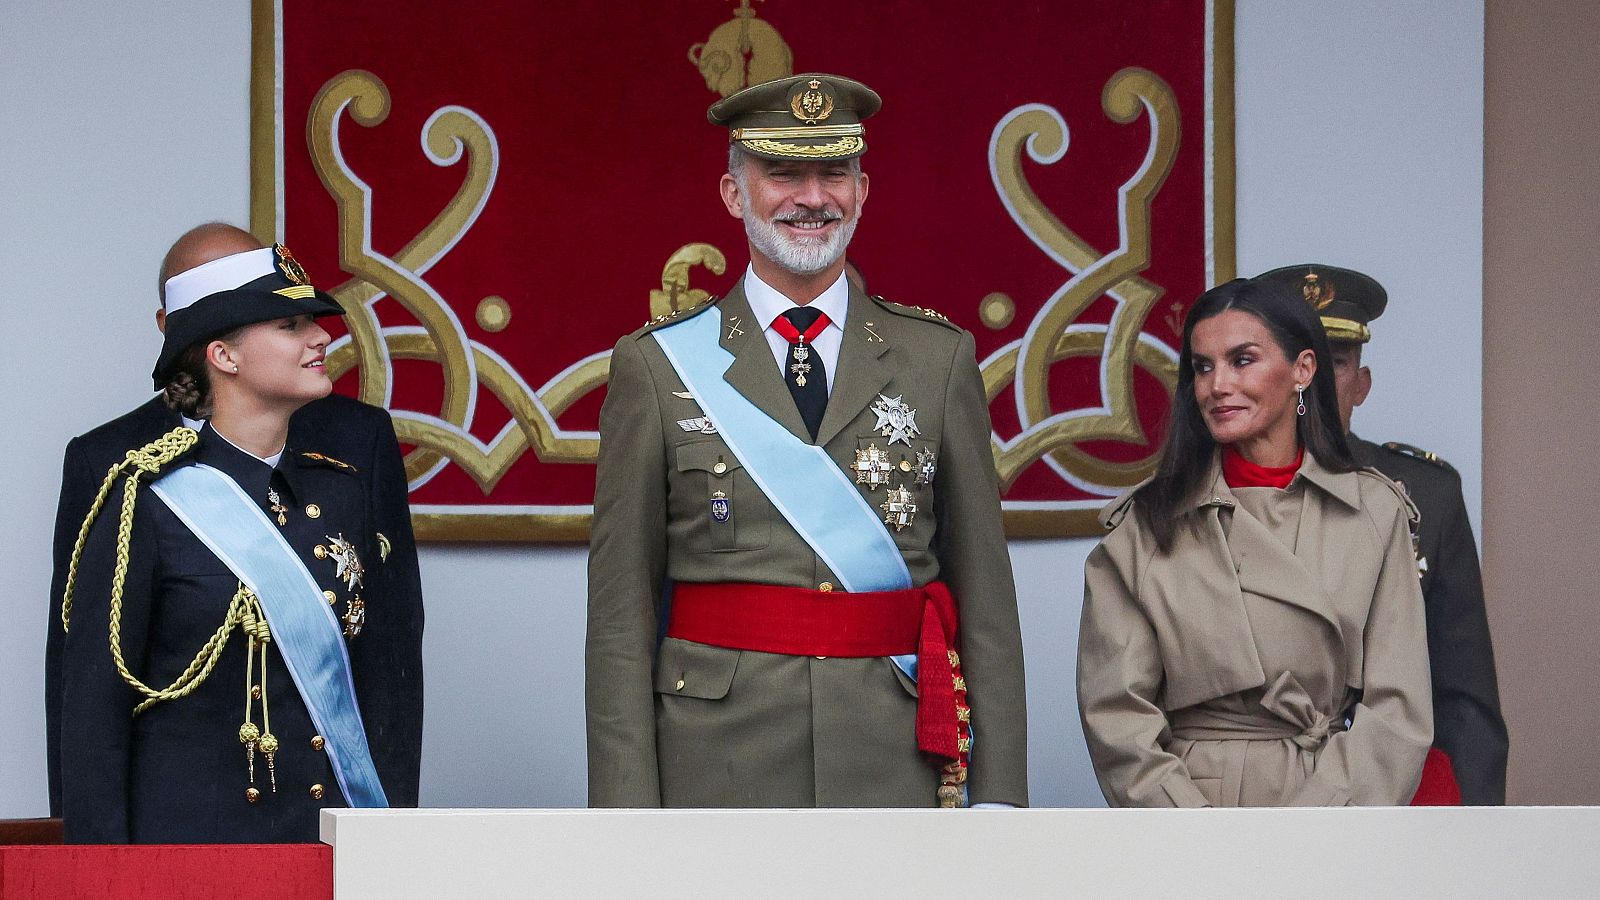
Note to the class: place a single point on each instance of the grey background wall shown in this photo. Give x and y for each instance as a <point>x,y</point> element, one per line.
<point>1540,268</point>
<point>1359,143</point>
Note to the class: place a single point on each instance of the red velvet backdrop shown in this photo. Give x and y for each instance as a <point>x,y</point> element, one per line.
<point>570,160</point>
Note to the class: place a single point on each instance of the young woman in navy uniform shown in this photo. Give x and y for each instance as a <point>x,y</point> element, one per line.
<point>185,716</point>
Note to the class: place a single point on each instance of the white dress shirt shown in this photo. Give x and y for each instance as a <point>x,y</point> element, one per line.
<point>766,303</point>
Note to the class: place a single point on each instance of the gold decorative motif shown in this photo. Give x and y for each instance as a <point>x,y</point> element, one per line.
<point>329,460</point>
<point>493,313</point>
<point>675,294</point>
<point>1318,291</point>
<point>830,150</point>
<point>742,52</point>
<point>872,336</point>
<point>997,310</point>
<point>812,105</point>
<point>1041,132</point>
<point>384,547</point>
<point>289,266</point>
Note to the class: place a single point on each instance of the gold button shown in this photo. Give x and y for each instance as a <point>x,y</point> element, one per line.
<point>252,794</point>
<point>825,587</point>
<point>905,465</point>
<point>331,597</point>
<point>317,742</point>
<point>319,551</point>
<point>679,685</point>
<point>313,511</point>
<point>720,467</point>
<point>316,792</point>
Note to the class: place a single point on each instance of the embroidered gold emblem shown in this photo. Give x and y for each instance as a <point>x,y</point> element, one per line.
<point>812,105</point>
<point>289,266</point>
<point>1317,292</point>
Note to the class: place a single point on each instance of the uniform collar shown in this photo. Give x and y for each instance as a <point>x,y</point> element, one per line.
<point>1342,486</point>
<point>216,451</point>
<point>768,303</point>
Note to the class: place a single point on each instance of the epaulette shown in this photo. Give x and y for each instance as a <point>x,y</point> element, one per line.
<point>677,315</point>
<point>1418,453</point>
<point>1399,489</point>
<point>1112,514</point>
<point>915,312</point>
<point>327,460</point>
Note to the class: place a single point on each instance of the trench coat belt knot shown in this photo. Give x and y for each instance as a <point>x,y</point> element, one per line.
<point>1293,716</point>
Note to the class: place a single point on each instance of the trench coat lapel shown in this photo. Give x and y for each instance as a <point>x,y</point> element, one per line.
<point>861,371</point>
<point>1268,569</point>
<point>754,373</point>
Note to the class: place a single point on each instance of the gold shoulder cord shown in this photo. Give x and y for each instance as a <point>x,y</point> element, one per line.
<point>244,610</point>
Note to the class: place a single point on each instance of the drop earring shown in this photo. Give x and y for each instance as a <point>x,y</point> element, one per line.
<point>1299,409</point>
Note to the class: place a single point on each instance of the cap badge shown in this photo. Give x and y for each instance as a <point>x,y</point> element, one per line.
<point>1317,292</point>
<point>812,105</point>
<point>289,266</point>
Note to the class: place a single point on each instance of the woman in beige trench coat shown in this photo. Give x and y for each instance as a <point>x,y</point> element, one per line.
<point>1252,628</point>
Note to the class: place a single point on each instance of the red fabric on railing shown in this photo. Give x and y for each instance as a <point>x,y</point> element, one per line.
<point>167,872</point>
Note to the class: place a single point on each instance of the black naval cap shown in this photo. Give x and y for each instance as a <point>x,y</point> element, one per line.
<point>1345,299</point>
<point>810,116</point>
<point>240,289</point>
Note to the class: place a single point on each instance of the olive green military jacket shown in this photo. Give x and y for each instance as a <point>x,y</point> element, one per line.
<point>1221,672</point>
<point>674,723</point>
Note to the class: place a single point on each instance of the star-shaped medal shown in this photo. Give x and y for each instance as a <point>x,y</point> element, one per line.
<point>346,564</point>
<point>896,420</point>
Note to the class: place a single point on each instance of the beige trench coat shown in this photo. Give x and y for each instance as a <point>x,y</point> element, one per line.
<point>1223,672</point>
<point>680,724</point>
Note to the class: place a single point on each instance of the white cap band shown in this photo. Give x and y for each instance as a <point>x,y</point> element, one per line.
<point>225,274</point>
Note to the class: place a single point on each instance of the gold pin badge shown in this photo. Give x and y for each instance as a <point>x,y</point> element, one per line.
<point>289,266</point>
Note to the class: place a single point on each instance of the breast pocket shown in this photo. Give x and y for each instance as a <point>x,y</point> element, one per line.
<point>727,509</point>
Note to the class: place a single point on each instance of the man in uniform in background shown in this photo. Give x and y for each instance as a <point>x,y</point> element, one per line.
<point>799,588</point>
<point>355,432</point>
<point>1468,763</point>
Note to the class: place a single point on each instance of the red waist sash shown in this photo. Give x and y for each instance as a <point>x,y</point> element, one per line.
<point>800,622</point>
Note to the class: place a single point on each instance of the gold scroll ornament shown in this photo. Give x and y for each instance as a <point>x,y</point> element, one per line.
<point>1025,364</point>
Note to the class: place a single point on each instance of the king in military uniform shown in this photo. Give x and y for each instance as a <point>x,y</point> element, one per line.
<point>799,590</point>
<point>1468,762</point>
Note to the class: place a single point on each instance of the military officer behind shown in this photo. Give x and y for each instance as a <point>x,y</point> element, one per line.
<point>232,661</point>
<point>795,486</point>
<point>1468,729</point>
<point>345,428</point>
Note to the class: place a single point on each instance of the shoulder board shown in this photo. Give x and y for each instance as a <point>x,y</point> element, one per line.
<point>1112,514</point>
<point>1418,453</point>
<point>915,312</point>
<point>677,315</point>
<point>326,460</point>
<point>1399,489</point>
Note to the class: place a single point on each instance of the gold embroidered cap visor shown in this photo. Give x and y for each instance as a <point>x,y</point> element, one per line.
<point>1345,299</point>
<point>810,116</point>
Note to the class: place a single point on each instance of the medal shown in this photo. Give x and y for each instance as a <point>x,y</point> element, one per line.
<point>801,368</point>
<point>721,508</point>
<point>896,420</point>
<point>872,467</point>
<point>355,617</point>
<point>927,464</point>
<point>346,564</point>
<point>899,509</point>
<point>277,505</point>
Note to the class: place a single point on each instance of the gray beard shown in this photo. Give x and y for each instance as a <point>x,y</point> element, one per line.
<point>805,256</point>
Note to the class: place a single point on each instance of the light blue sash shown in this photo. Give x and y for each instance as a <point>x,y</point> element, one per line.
<point>304,628</point>
<point>801,480</point>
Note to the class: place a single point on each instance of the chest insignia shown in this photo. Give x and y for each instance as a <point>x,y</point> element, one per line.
<point>721,508</point>
<point>872,467</point>
<point>699,424</point>
<point>346,564</point>
<point>927,464</point>
<point>896,420</point>
<point>899,508</point>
